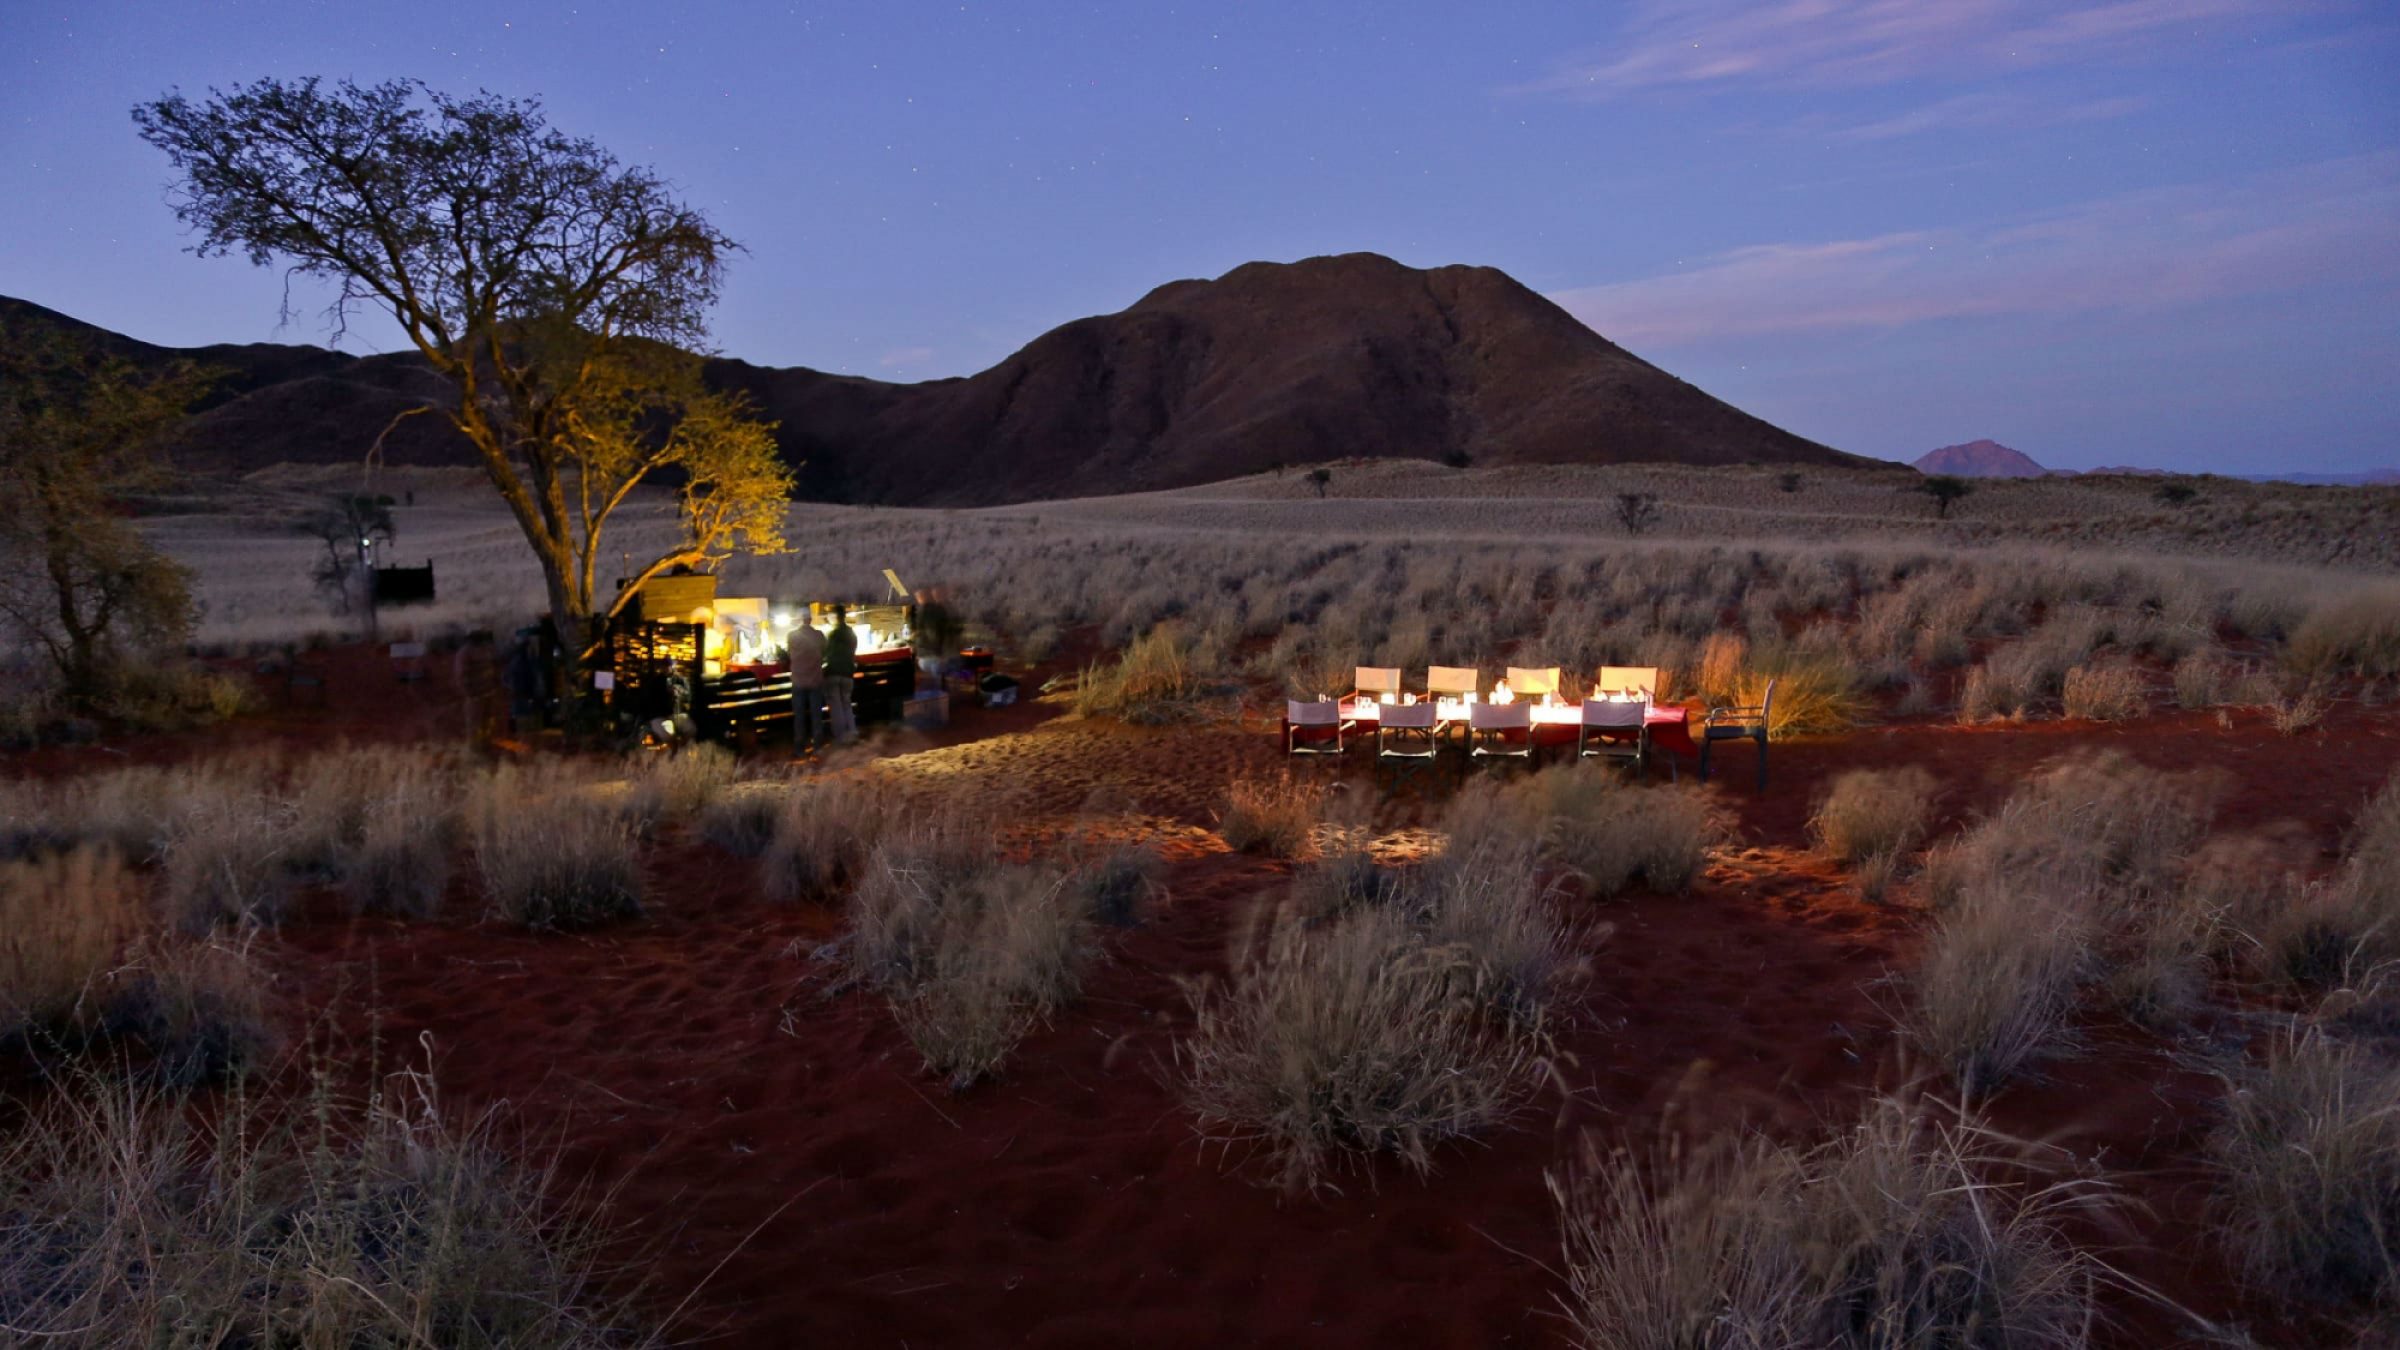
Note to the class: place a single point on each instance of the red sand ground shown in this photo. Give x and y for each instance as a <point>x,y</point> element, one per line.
<point>782,1151</point>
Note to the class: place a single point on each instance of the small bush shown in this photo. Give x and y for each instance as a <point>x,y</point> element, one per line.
<point>400,862</point>
<point>971,952</point>
<point>2307,1167</point>
<point>2337,930</point>
<point>824,834</point>
<point>1273,816</point>
<point>1340,1040</point>
<point>1898,1232</point>
<point>65,922</point>
<point>2201,681</point>
<point>2107,692</point>
<point>552,855</point>
<point>1873,812</point>
<point>1159,678</point>
<point>135,1222</point>
<point>2298,711</point>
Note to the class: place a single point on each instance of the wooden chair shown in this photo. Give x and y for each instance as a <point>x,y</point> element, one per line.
<point>1739,724</point>
<point>1312,727</point>
<point>1615,729</point>
<point>1628,680</point>
<point>1532,682</point>
<point>1502,731</point>
<point>1380,683</point>
<point>1404,736</point>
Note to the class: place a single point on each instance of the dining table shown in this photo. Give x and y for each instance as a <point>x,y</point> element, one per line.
<point>1668,724</point>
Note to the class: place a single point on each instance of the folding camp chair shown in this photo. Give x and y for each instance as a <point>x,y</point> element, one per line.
<point>1615,729</point>
<point>1531,683</point>
<point>1380,683</point>
<point>1641,680</point>
<point>1502,731</point>
<point>1312,727</point>
<point>1458,682</point>
<point>1739,724</point>
<point>1405,736</point>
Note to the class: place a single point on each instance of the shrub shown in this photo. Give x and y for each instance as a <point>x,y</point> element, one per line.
<point>2301,710</point>
<point>972,953</point>
<point>1339,1040</point>
<point>2339,929</point>
<point>1273,816</point>
<point>1898,1232</point>
<point>2307,1168</point>
<point>551,854</point>
<point>227,863</point>
<point>1488,898</point>
<point>65,920</point>
<point>824,833</point>
<point>1872,812</point>
<point>1156,680</point>
<point>135,1222</point>
<point>2201,681</point>
<point>2107,692</point>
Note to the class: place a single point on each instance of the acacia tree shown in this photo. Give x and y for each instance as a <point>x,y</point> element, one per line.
<point>1946,489</point>
<point>559,293</point>
<point>78,431</point>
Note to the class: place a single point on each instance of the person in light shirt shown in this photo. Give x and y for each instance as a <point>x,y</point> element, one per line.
<point>805,657</point>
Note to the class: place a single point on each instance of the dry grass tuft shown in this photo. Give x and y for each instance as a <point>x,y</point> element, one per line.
<point>66,920</point>
<point>1592,822</point>
<point>228,862</point>
<point>823,836</point>
<point>2110,691</point>
<point>1273,816</point>
<point>1902,1231</point>
<point>400,861</point>
<point>1339,1040</point>
<point>552,854</point>
<point>1869,813</point>
<point>200,1007</point>
<point>1121,885</point>
<point>1995,986</point>
<point>679,784</point>
<point>743,821</point>
<point>1159,678</point>
<point>2307,1166</point>
<point>2358,634</point>
<point>131,1222</point>
<point>972,953</point>
<point>2338,930</point>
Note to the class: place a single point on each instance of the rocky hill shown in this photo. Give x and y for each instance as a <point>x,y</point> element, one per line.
<point>1980,459</point>
<point>1272,363</point>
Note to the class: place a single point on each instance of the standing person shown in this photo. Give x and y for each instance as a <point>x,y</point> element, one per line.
<point>805,657</point>
<point>841,666</point>
<point>936,631</point>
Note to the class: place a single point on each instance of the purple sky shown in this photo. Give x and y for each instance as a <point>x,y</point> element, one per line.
<point>2156,232</point>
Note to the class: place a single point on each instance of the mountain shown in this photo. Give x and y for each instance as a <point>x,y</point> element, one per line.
<point>1980,459</point>
<point>1272,363</point>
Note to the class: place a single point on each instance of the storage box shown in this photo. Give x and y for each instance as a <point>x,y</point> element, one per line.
<point>928,710</point>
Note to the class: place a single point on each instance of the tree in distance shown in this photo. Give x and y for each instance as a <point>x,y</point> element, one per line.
<point>1945,489</point>
<point>1790,481</point>
<point>2176,494</point>
<point>561,295</point>
<point>79,431</point>
<point>1320,479</point>
<point>349,525</point>
<point>1637,511</point>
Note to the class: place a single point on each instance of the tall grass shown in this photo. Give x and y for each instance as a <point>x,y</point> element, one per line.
<point>125,1220</point>
<point>66,920</point>
<point>1160,677</point>
<point>822,837</point>
<point>1902,1231</point>
<point>1593,823</point>
<point>1869,813</point>
<point>972,953</point>
<point>2307,1170</point>
<point>2341,928</point>
<point>1336,1041</point>
<point>1270,815</point>
<point>228,862</point>
<point>551,853</point>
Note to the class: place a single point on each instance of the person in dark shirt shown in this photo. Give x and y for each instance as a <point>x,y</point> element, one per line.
<point>841,668</point>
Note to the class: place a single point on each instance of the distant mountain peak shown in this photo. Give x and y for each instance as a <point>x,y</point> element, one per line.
<point>1981,459</point>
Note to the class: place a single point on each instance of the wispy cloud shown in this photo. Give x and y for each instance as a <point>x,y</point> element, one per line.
<point>1979,112</point>
<point>1819,43</point>
<point>2337,221</point>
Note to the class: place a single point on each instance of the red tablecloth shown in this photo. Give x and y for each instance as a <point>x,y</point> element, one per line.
<point>1669,725</point>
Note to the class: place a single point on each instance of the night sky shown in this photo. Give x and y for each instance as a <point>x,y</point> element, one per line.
<point>2151,232</point>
